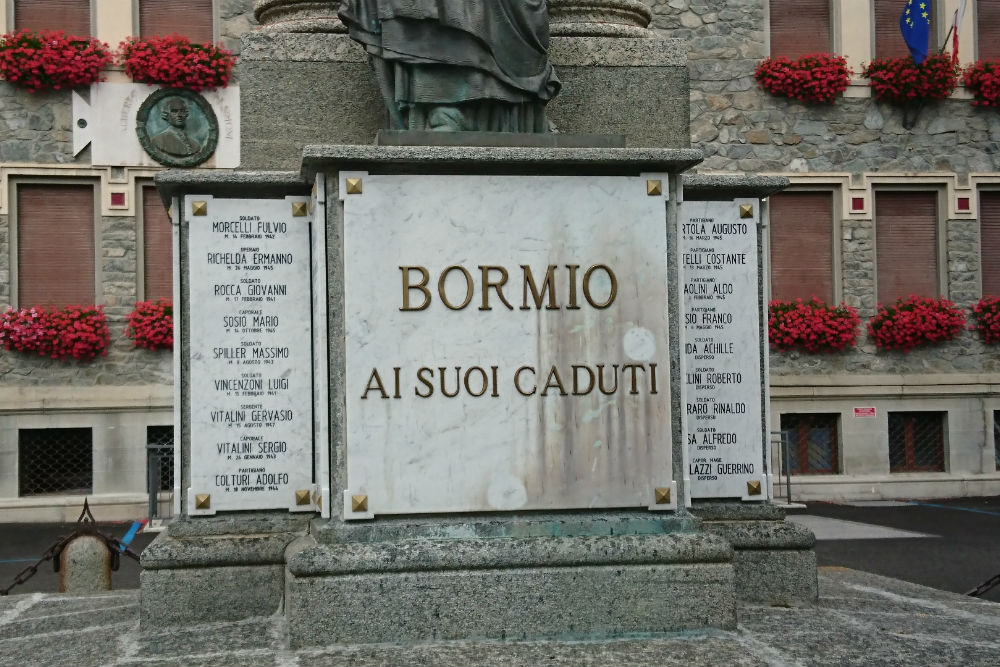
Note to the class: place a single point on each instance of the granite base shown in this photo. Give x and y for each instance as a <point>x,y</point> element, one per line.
<point>773,559</point>
<point>507,588</point>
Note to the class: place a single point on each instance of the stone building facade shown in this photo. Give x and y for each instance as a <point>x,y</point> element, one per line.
<point>860,424</point>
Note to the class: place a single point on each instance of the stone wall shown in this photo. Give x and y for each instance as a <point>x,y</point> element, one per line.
<point>35,127</point>
<point>124,364</point>
<point>742,128</point>
<point>235,18</point>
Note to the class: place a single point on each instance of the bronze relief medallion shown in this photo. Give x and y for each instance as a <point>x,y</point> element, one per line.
<point>177,128</point>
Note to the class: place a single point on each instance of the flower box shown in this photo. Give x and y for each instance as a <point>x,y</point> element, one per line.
<point>986,319</point>
<point>176,62</point>
<point>51,60</point>
<point>982,78</point>
<point>151,325</point>
<point>902,82</point>
<point>814,79</point>
<point>74,332</point>
<point>812,326</point>
<point>914,322</point>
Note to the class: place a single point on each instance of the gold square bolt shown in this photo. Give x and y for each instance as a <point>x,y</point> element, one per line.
<point>199,208</point>
<point>353,186</point>
<point>203,501</point>
<point>753,488</point>
<point>302,497</point>
<point>359,503</point>
<point>662,495</point>
<point>298,209</point>
<point>746,211</point>
<point>654,188</point>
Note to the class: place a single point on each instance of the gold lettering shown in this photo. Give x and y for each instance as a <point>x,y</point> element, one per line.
<point>548,285</point>
<point>573,305</point>
<point>395,373</point>
<point>600,379</point>
<point>552,382</point>
<point>632,367</point>
<point>652,378</point>
<point>428,382</point>
<point>517,381</point>
<point>444,391</point>
<point>469,287</point>
<point>486,381</point>
<point>378,385</point>
<point>586,286</point>
<point>576,384</point>
<point>494,372</point>
<point>498,286</point>
<point>422,286</point>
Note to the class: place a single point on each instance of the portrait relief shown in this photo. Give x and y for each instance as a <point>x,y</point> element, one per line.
<point>177,128</point>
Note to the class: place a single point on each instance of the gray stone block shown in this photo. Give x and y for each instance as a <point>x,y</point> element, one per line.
<point>198,595</point>
<point>583,602</point>
<point>508,588</point>
<point>775,577</point>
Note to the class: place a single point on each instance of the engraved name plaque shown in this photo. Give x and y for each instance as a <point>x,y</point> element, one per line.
<point>720,354</point>
<point>506,342</point>
<point>250,354</point>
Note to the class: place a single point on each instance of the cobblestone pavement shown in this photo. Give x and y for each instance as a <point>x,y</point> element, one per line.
<point>861,619</point>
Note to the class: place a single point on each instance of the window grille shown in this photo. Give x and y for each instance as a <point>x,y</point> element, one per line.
<point>55,460</point>
<point>811,439</point>
<point>996,436</point>
<point>160,445</point>
<point>916,441</point>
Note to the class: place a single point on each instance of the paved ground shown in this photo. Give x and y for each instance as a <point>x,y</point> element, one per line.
<point>861,619</point>
<point>952,545</point>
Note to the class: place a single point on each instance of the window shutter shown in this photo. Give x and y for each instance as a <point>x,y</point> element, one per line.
<point>801,245</point>
<point>157,247</point>
<point>800,27</point>
<point>190,18</point>
<point>73,16</point>
<point>906,245</point>
<point>989,232</point>
<point>889,41</point>
<point>55,245</point>
<point>988,30</point>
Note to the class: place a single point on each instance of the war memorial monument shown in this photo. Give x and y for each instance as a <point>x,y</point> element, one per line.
<point>466,351</point>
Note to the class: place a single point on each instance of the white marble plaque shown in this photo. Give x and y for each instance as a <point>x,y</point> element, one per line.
<point>250,354</point>
<point>106,121</point>
<point>506,343</point>
<point>720,354</point>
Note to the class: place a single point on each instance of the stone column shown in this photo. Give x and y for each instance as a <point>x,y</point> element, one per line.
<point>298,16</point>
<point>599,18</point>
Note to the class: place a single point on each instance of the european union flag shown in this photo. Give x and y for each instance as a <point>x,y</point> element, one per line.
<point>915,23</point>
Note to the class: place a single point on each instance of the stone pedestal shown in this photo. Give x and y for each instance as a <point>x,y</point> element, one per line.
<point>320,89</point>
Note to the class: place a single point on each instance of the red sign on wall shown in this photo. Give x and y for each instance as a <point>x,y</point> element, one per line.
<point>864,412</point>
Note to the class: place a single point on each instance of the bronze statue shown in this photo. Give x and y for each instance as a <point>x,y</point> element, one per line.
<point>452,65</point>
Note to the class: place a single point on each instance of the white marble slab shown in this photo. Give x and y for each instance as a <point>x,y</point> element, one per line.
<point>250,378</point>
<point>720,352</point>
<point>505,431</point>
<point>109,121</point>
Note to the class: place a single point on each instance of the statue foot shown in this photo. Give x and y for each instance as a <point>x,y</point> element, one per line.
<point>445,119</point>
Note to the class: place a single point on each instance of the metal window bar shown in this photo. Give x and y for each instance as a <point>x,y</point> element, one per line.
<point>783,465</point>
<point>916,441</point>
<point>812,442</point>
<point>996,436</point>
<point>55,461</point>
<point>160,470</point>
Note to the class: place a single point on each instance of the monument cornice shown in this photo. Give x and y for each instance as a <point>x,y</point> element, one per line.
<point>496,160</point>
